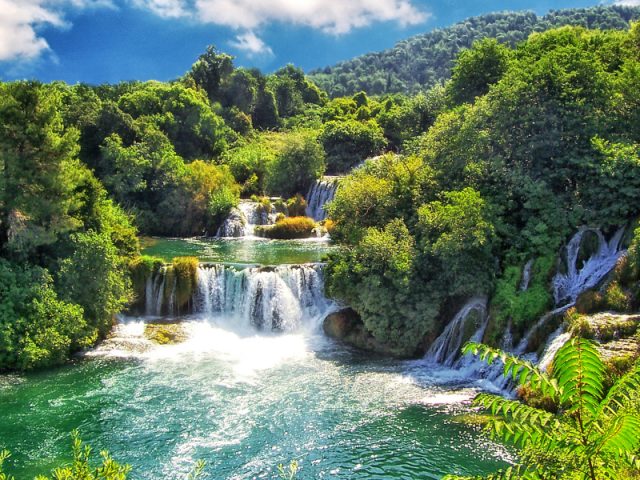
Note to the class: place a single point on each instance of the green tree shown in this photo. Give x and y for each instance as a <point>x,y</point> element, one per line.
<point>297,165</point>
<point>38,168</point>
<point>94,277</point>
<point>210,71</point>
<point>477,69</point>
<point>348,142</point>
<point>592,434</point>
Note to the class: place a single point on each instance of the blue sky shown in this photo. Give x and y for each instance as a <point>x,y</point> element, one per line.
<point>98,41</point>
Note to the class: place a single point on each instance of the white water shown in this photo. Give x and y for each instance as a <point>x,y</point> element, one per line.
<point>446,349</point>
<point>526,276</point>
<point>568,286</point>
<point>319,195</point>
<point>555,342</point>
<point>282,298</point>
<point>242,221</point>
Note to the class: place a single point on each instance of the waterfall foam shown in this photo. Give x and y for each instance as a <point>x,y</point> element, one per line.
<point>446,349</point>
<point>568,286</point>
<point>319,195</point>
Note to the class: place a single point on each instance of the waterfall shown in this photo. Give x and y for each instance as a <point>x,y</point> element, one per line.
<point>555,342</point>
<point>242,221</point>
<point>568,286</point>
<point>446,349</point>
<point>282,298</point>
<point>320,194</point>
<point>526,276</point>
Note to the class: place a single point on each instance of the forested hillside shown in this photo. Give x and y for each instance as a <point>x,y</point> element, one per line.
<point>422,61</point>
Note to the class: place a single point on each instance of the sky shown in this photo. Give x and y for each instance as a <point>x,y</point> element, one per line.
<point>107,41</point>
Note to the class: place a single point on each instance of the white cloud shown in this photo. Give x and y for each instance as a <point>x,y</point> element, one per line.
<point>628,3</point>
<point>165,8</point>
<point>20,21</point>
<point>251,44</point>
<point>331,16</point>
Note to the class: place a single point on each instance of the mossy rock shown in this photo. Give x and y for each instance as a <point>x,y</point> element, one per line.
<point>472,419</point>
<point>165,333</point>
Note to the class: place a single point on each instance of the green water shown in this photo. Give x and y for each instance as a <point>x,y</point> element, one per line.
<point>248,251</point>
<point>245,404</point>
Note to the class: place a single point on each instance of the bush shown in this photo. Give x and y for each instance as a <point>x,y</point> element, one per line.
<point>288,228</point>
<point>297,206</point>
<point>37,329</point>
<point>298,164</point>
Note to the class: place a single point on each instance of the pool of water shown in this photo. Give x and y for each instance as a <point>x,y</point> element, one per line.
<point>245,250</point>
<point>245,403</point>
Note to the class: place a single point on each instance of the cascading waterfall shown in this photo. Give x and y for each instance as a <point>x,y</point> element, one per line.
<point>282,298</point>
<point>555,342</point>
<point>446,349</point>
<point>568,286</point>
<point>242,221</point>
<point>320,194</point>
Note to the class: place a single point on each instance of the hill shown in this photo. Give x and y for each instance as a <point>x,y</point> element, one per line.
<point>424,60</point>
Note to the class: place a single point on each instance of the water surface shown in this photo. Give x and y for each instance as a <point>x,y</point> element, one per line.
<point>243,250</point>
<point>245,403</point>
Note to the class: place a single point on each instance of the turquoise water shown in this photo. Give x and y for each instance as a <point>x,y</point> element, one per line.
<point>243,250</point>
<point>245,403</point>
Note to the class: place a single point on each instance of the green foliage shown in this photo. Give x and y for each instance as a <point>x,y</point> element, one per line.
<point>476,70</point>
<point>459,235</point>
<point>37,329</point>
<point>297,206</point>
<point>348,142</point>
<point>38,201</point>
<point>593,434</point>
<point>186,273</point>
<point>288,228</point>
<point>521,307</point>
<point>297,165</point>
<point>94,277</point>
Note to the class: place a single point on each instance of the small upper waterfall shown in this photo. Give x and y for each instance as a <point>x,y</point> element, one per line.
<point>321,193</point>
<point>446,349</point>
<point>281,298</point>
<point>242,221</point>
<point>568,286</point>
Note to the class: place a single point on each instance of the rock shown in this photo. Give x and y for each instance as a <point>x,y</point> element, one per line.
<point>339,324</point>
<point>346,326</point>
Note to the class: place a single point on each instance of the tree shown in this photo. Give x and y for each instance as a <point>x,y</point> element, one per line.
<point>298,164</point>
<point>477,69</point>
<point>348,142</point>
<point>591,434</point>
<point>38,168</point>
<point>210,70</point>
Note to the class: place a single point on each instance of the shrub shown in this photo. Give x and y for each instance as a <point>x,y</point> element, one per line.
<point>297,206</point>
<point>288,228</point>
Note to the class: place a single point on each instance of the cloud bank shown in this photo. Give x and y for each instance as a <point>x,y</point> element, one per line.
<point>21,21</point>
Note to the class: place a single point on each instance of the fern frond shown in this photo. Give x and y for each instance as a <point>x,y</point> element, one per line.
<point>521,371</point>
<point>579,371</point>
<point>619,395</point>
<point>526,423</point>
<point>621,436</point>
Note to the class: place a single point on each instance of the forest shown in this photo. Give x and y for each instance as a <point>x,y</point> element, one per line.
<point>422,61</point>
<point>459,167</point>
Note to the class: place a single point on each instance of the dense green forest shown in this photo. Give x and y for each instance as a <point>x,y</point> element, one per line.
<point>422,61</point>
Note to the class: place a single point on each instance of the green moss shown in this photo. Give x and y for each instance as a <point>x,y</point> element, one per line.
<point>288,228</point>
<point>165,333</point>
<point>141,269</point>
<point>185,270</point>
